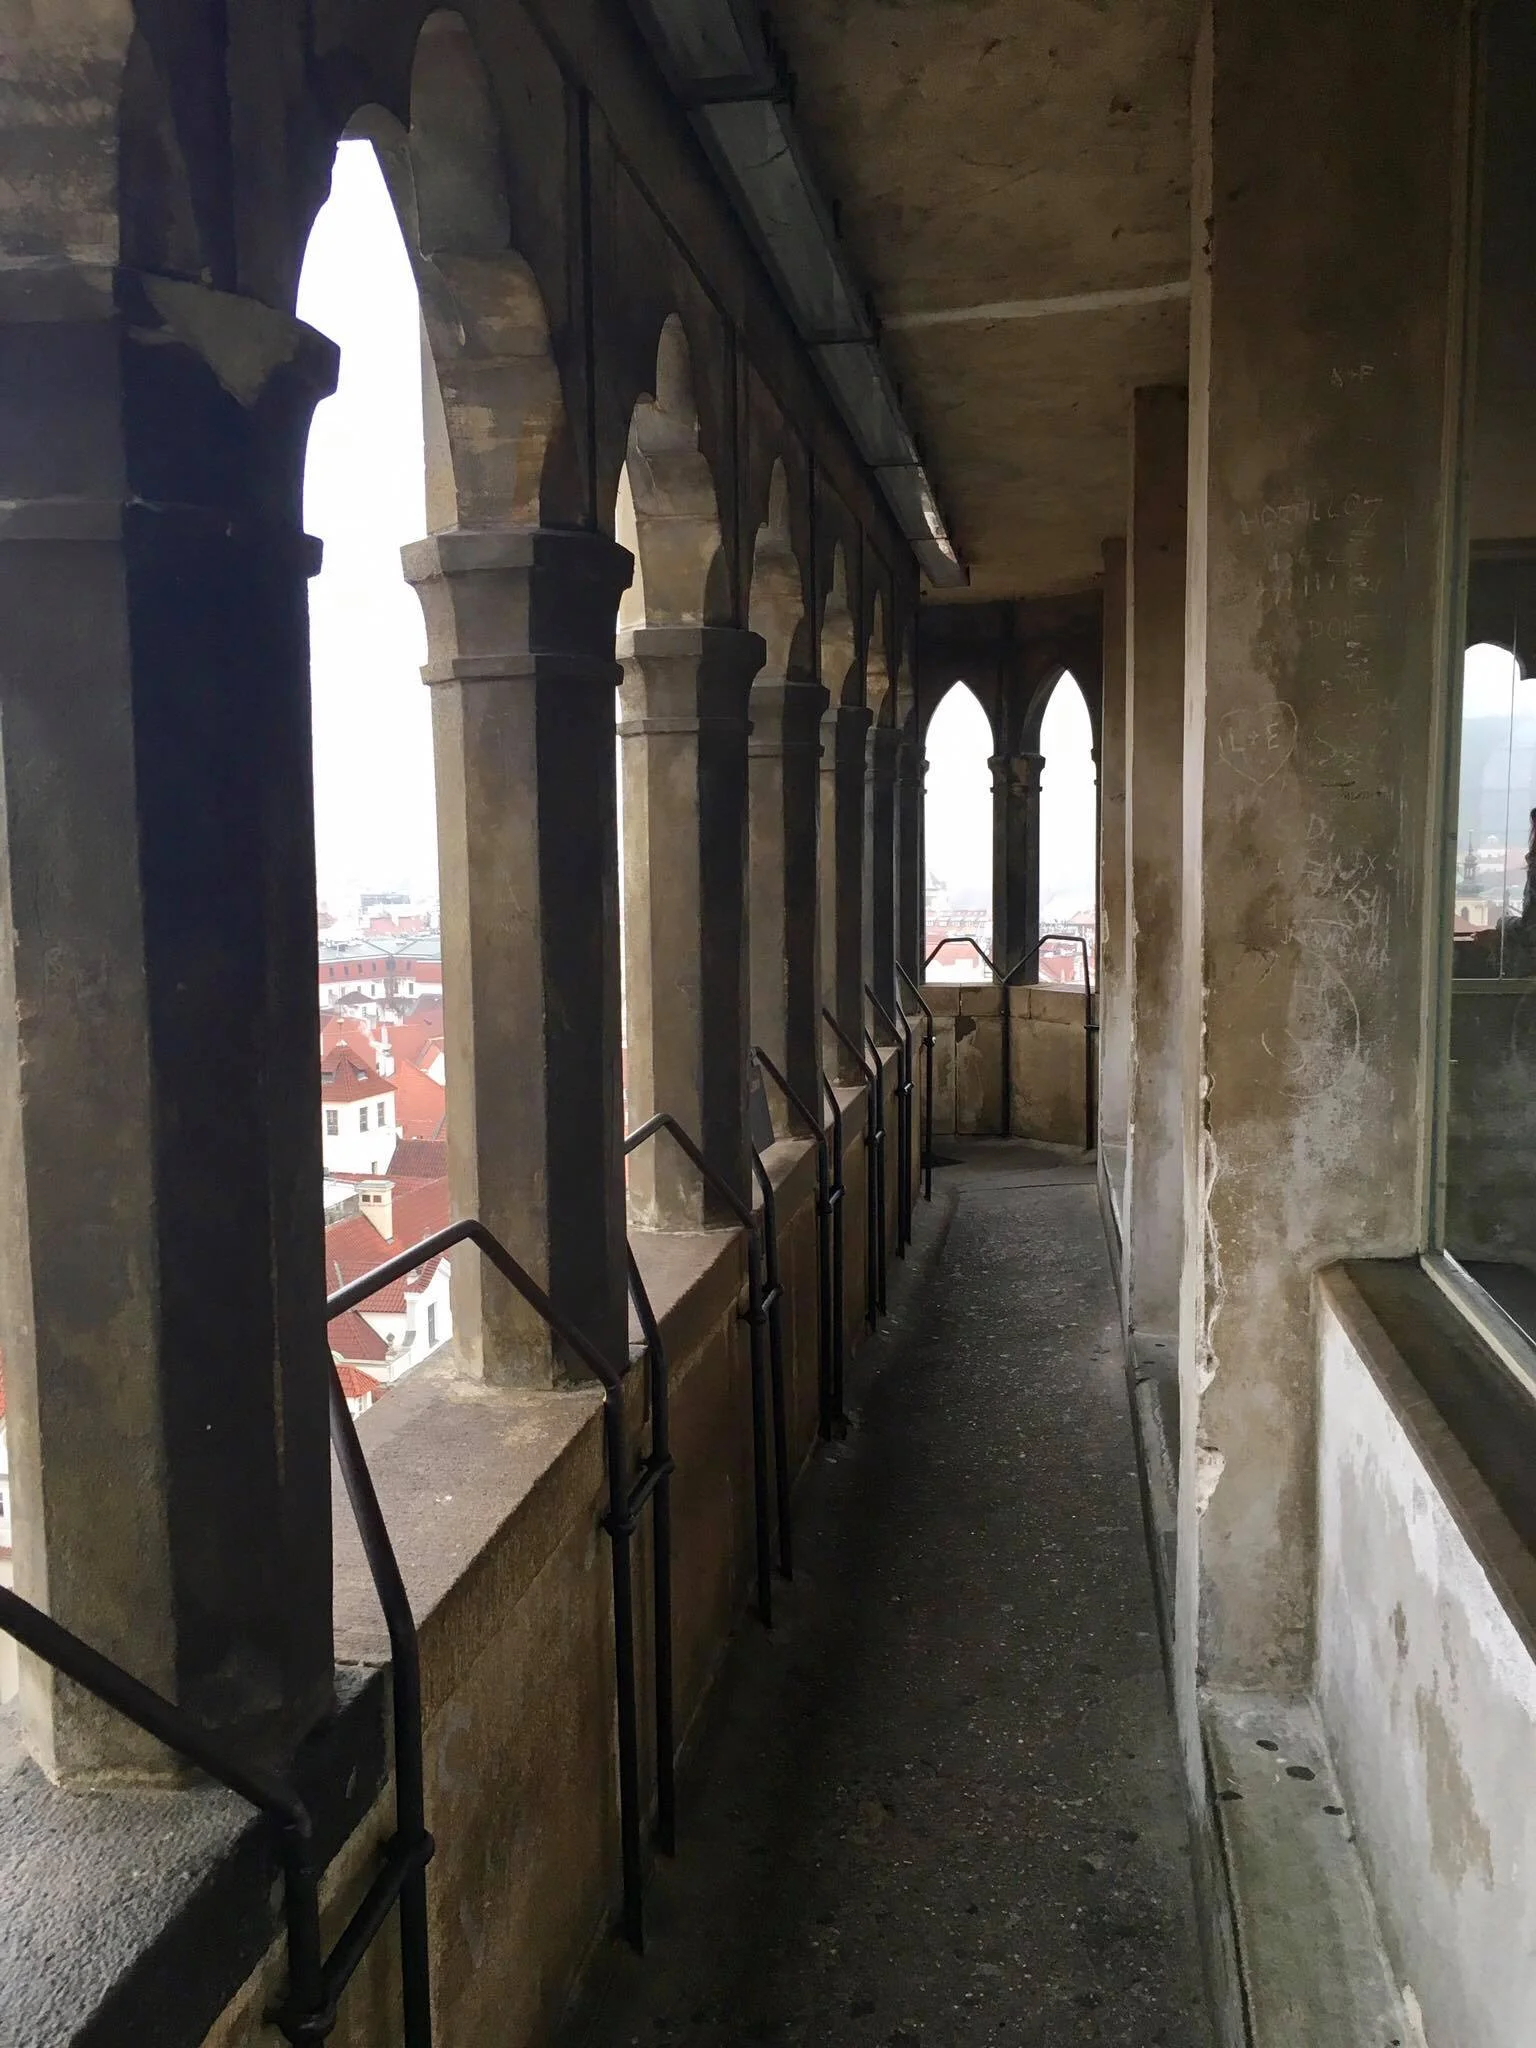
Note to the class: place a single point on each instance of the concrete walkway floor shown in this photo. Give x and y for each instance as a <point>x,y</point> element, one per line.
<point>939,1803</point>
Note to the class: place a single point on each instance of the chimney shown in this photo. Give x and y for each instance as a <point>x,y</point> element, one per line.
<point>376,1198</point>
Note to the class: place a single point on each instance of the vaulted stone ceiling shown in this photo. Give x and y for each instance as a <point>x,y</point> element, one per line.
<point>999,154</point>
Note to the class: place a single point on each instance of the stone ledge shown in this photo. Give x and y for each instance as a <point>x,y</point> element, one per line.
<point>1471,1426</point>
<point>477,1484</point>
<point>1314,1972</point>
<point>132,1902</point>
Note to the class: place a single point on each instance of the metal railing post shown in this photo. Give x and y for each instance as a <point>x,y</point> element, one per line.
<point>757,1322</point>
<point>823,1239</point>
<point>872,1289</point>
<point>619,1520</point>
<point>927,1082</point>
<point>661,1561</point>
<point>902,1035</point>
<point>773,1296</point>
<point>837,1192</point>
<point>880,1231</point>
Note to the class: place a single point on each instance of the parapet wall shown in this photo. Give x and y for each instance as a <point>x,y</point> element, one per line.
<point>494,1497</point>
<point>1047,1061</point>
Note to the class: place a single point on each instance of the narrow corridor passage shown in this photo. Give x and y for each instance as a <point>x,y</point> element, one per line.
<point>940,1805</point>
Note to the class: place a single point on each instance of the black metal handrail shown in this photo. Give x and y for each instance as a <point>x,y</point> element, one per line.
<point>816,1130</point>
<point>757,1320</point>
<point>880,1231</point>
<point>963,939</point>
<point>308,2010</point>
<point>619,1521</point>
<point>872,1192</point>
<point>656,1484</point>
<point>316,1981</point>
<point>837,1190</point>
<point>922,1004</point>
<point>901,1034</point>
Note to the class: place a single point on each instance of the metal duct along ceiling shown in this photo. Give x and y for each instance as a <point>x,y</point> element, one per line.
<point>721,69</point>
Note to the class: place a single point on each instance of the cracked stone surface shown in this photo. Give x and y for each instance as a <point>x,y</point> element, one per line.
<point>940,1803</point>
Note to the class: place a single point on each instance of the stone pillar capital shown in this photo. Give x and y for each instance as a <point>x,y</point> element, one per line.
<point>844,732</point>
<point>1016,774</point>
<point>519,604</point>
<point>160,407</point>
<point>884,746</point>
<point>786,716</point>
<point>684,679</point>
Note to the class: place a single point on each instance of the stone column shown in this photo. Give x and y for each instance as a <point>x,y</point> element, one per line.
<point>522,671</point>
<point>1114,993</point>
<point>784,773</point>
<point>911,922</point>
<point>884,752</point>
<point>1155,567</point>
<point>844,898</point>
<point>161,1274</point>
<point>1324,370</point>
<point>684,740</point>
<point>1016,859</point>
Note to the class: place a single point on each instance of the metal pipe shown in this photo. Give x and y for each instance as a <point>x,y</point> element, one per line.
<point>405,1697</point>
<point>471,1231</point>
<point>871,1247</point>
<point>927,1082</point>
<point>902,1035</point>
<point>823,1238</point>
<point>620,1530</point>
<point>756,1321</point>
<point>836,1196</point>
<point>880,1235</point>
<point>773,1297</point>
<point>661,1561</point>
<point>302,2014</point>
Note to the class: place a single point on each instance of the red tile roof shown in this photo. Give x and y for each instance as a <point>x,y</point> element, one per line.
<point>356,1384</point>
<point>419,1159</point>
<point>421,1104</point>
<point>420,1037</point>
<point>337,1030</point>
<point>347,1076</point>
<point>356,1341</point>
<point>354,1247</point>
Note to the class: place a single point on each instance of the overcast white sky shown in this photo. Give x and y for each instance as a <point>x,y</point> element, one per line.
<point>960,802</point>
<point>364,496</point>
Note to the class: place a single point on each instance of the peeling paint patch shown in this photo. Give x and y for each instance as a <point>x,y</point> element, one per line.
<point>1209,1466</point>
<point>1459,1839</point>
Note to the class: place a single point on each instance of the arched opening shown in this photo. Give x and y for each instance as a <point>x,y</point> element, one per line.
<point>776,600</point>
<point>877,673</point>
<point>671,716</point>
<point>1068,837</point>
<point>381,1027</point>
<point>1495,932</point>
<point>958,839</point>
<point>838,670</point>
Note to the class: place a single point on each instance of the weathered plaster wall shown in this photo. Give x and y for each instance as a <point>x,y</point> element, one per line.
<point>1114,871</point>
<point>1321,502</point>
<point>1155,574</point>
<point>1426,1676</point>
<point>1047,1054</point>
